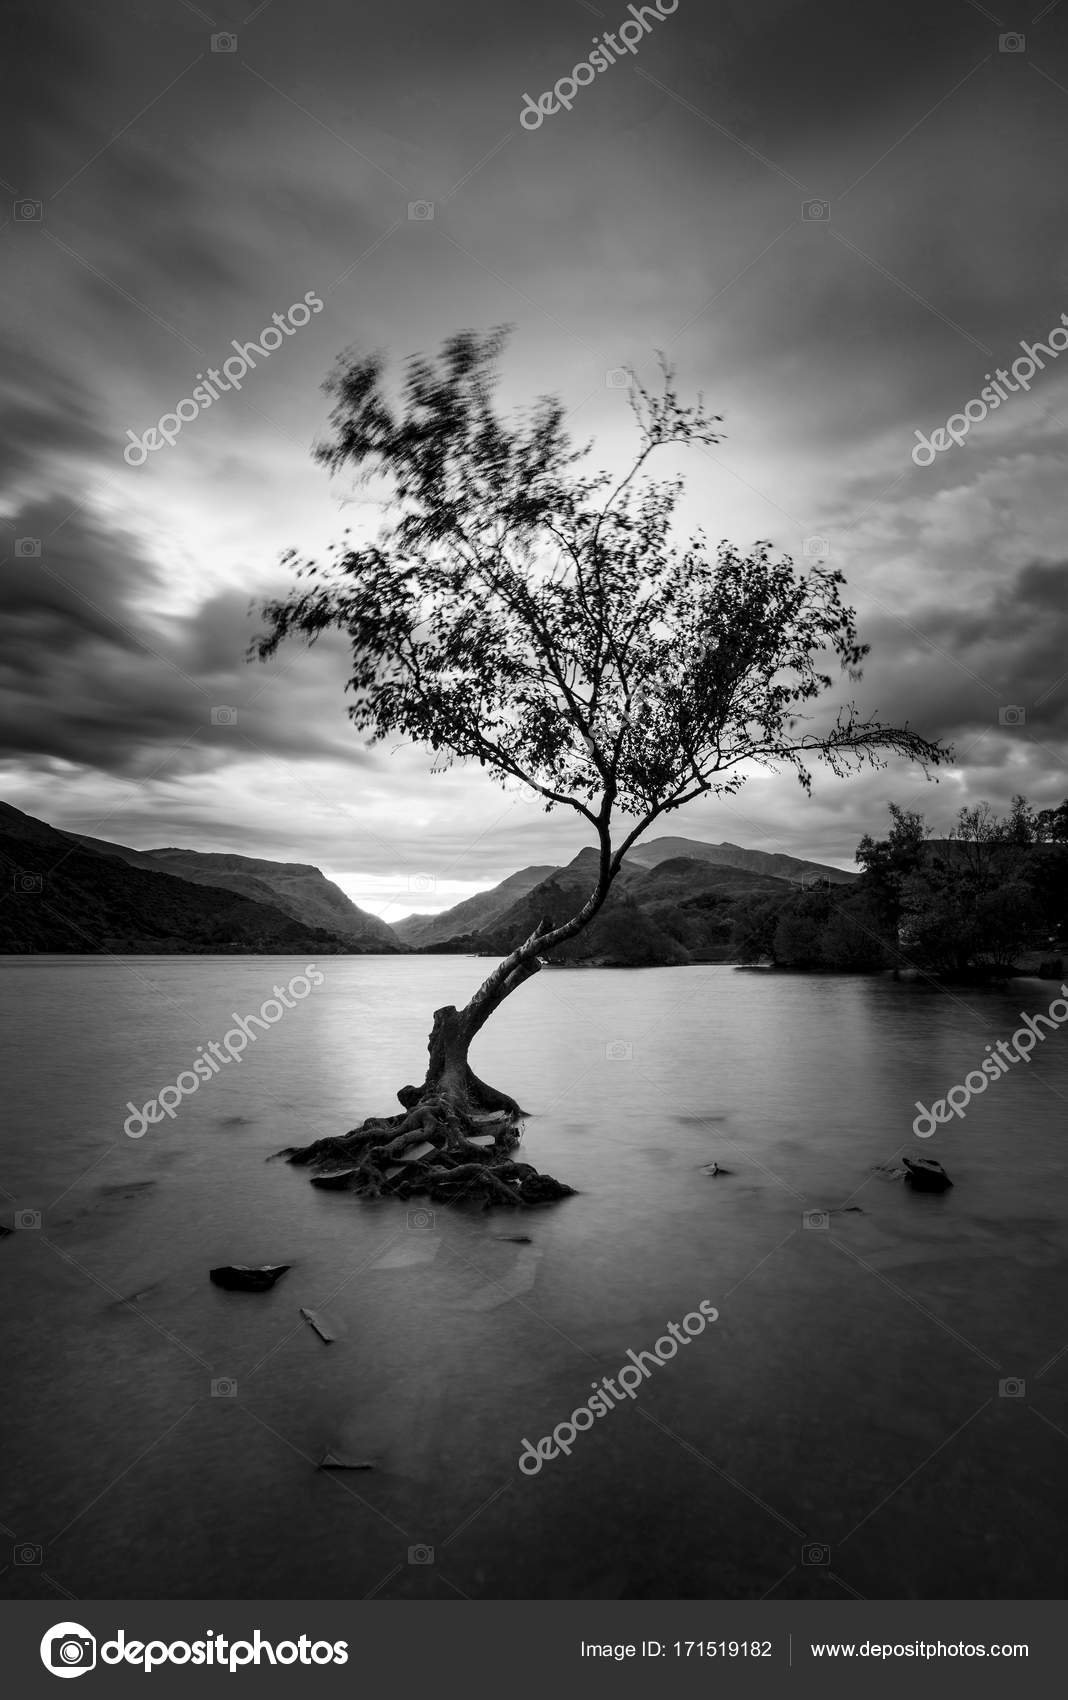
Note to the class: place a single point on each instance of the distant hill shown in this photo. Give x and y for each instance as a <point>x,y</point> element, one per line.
<point>649,854</point>
<point>86,904</point>
<point>621,935</point>
<point>673,902</point>
<point>63,892</point>
<point>693,901</point>
<point>470,916</point>
<point>297,888</point>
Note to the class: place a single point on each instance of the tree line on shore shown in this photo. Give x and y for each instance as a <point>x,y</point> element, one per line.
<point>991,895</point>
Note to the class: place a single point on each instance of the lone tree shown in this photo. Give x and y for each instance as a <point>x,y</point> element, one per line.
<point>521,612</point>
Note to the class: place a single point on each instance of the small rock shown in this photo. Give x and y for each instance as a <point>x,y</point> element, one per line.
<point>714,1169</point>
<point>926,1174</point>
<point>325,1329</point>
<point>240,1277</point>
<point>543,1189</point>
<point>514,1239</point>
<point>339,1182</point>
<point>333,1461</point>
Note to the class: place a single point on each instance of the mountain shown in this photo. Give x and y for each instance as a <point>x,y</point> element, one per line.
<point>469,917</point>
<point>85,903</point>
<point>692,901</point>
<point>673,902</point>
<point>621,935</point>
<point>297,888</point>
<point>63,892</point>
<point>781,866</point>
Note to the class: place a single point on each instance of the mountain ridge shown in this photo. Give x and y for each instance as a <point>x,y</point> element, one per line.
<point>283,906</point>
<point>672,903</point>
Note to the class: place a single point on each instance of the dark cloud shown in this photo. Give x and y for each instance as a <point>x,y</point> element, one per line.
<point>89,675</point>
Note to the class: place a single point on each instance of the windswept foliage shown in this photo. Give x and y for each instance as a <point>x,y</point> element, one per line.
<point>543,621</point>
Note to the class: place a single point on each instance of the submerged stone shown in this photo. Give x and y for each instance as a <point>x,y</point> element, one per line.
<point>241,1277</point>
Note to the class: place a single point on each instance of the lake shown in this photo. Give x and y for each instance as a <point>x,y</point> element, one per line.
<point>852,1424</point>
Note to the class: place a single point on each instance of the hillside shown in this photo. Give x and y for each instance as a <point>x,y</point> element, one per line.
<point>295,888</point>
<point>622,935</point>
<point>780,866</point>
<point>693,901</point>
<point>472,915</point>
<point>663,909</point>
<point>674,901</point>
<point>78,901</point>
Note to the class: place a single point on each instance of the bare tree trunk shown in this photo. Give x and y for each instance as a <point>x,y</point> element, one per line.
<point>449,1073</point>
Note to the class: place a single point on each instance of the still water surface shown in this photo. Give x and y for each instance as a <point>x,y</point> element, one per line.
<point>848,1396</point>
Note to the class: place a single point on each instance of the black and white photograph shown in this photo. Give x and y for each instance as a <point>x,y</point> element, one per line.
<point>534,833</point>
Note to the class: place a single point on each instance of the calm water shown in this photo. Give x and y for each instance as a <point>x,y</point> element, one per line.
<point>848,1395</point>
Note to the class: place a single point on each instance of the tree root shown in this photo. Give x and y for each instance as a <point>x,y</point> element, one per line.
<point>371,1159</point>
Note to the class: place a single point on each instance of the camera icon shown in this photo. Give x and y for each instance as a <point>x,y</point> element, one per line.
<point>1012,1388</point>
<point>420,210</point>
<point>26,1553</point>
<point>224,1388</point>
<point>224,43</point>
<point>1012,715</point>
<point>27,212</point>
<point>816,548</point>
<point>817,1219</point>
<point>814,1552</point>
<point>1012,42</point>
<point>618,378</point>
<point>223,716</point>
<point>28,1220</point>
<point>420,1555</point>
<point>68,1649</point>
<point>422,883</point>
<point>420,1220</point>
<point>619,1050</point>
<point>28,548</point>
<point>27,885</point>
<point>817,210</point>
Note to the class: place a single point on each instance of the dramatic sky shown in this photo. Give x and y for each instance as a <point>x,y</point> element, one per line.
<point>161,199</point>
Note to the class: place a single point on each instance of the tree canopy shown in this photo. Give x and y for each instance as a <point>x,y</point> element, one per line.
<point>543,620</point>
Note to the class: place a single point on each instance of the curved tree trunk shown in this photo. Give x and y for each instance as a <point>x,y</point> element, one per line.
<point>453,1111</point>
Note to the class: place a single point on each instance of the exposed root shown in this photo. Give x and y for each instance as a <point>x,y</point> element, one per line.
<point>471,1129</point>
<point>372,1160</point>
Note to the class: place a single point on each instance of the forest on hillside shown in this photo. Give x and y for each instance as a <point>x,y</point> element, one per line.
<point>988,899</point>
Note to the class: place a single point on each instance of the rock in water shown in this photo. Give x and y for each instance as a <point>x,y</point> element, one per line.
<point>325,1329</point>
<point>339,1181</point>
<point>239,1277</point>
<point>926,1174</point>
